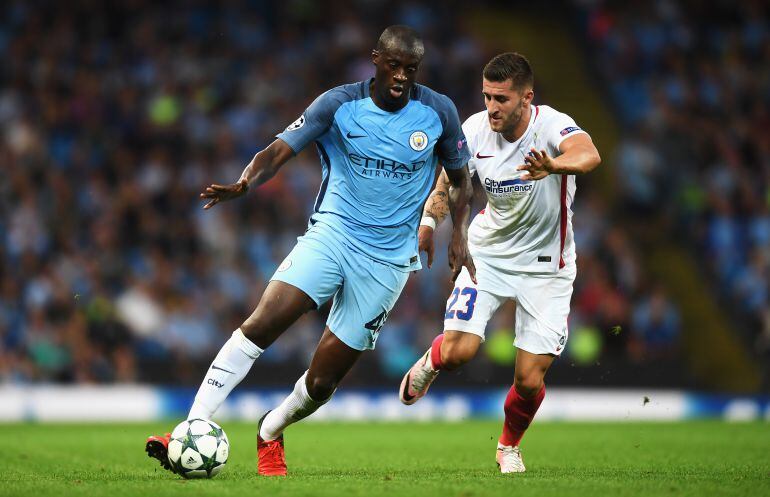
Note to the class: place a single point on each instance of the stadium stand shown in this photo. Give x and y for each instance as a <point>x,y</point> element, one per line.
<point>113,118</point>
<point>692,86</point>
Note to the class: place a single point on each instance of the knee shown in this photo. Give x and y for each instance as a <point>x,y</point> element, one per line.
<point>279,307</point>
<point>455,354</point>
<point>320,388</point>
<point>529,385</point>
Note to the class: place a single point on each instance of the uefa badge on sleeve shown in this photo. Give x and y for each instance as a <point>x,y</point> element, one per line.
<point>418,141</point>
<point>296,124</point>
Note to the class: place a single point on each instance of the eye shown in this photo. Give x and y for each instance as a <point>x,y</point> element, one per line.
<point>393,65</point>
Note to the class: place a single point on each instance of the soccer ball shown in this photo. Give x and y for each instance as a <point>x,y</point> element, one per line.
<point>198,448</point>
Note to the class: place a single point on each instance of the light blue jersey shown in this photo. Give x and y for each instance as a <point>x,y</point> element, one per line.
<point>378,166</point>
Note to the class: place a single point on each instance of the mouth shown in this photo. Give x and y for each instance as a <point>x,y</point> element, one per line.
<point>396,91</point>
<point>495,120</point>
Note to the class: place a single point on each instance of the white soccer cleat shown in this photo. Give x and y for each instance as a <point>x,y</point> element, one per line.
<point>417,380</point>
<point>509,459</point>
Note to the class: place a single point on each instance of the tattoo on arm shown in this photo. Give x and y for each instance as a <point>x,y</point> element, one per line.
<point>437,205</point>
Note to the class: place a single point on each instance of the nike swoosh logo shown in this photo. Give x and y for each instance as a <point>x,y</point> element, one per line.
<point>355,136</point>
<point>221,369</point>
<point>408,397</point>
<point>479,156</point>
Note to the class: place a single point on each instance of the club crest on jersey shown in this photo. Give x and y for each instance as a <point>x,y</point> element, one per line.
<point>418,141</point>
<point>296,124</point>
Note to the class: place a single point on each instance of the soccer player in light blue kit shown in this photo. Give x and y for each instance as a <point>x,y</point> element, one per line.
<point>379,142</point>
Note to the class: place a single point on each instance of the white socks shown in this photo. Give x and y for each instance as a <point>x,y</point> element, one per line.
<point>298,405</point>
<point>230,366</point>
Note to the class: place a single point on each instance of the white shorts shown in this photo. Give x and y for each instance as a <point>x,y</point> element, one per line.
<point>542,305</point>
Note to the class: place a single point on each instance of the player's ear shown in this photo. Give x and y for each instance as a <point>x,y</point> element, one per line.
<point>529,95</point>
<point>375,57</point>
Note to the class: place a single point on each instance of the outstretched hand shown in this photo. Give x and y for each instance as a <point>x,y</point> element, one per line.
<point>538,165</point>
<point>220,193</point>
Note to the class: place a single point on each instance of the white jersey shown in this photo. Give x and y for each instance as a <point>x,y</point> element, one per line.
<point>526,226</point>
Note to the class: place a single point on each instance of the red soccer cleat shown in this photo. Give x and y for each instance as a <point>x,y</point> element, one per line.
<point>157,447</point>
<point>271,458</point>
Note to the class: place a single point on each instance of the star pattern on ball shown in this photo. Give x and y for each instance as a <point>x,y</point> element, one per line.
<point>189,441</point>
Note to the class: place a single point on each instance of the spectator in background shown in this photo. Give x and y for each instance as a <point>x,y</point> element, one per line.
<point>640,171</point>
<point>654,328</point>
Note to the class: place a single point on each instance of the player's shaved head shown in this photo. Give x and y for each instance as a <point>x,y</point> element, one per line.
<point>401,38</point>
<point>396,58</point>
<point>510,66</point>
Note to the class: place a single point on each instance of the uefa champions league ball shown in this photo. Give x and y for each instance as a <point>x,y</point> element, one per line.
<point>198,448</point>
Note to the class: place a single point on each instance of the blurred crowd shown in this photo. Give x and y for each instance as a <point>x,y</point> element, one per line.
<point>692,83</point>
<point>114,117</point>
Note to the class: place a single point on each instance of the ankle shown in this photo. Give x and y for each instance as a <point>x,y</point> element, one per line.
<point>435,353</point>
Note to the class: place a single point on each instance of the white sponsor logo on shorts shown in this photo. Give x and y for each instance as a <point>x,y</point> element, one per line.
<point>286,264</point>
<point>561,341</point>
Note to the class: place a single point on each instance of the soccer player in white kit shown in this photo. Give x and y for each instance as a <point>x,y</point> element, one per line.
<point>526,157</point>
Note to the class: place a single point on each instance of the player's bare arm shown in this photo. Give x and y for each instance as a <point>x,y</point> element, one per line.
<point>262,167</point>
<point>437,205</point>
<point>579,156</point>
<point>459,197</point>
<point>436,208</point>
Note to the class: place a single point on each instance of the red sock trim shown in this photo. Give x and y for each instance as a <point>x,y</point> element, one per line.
<point>435,352</point>
<point>519,413</point>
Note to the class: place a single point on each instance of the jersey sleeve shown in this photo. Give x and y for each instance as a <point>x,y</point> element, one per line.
<point>452,147</point>
<point>560,128</point>
<point>470,130</point>
<point>314,122</point>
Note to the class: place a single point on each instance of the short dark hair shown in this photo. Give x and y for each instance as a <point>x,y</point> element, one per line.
<point>510,65</point>
<point>400,37</point>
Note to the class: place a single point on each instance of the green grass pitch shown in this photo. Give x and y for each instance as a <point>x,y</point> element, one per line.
<point>420,459</point>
